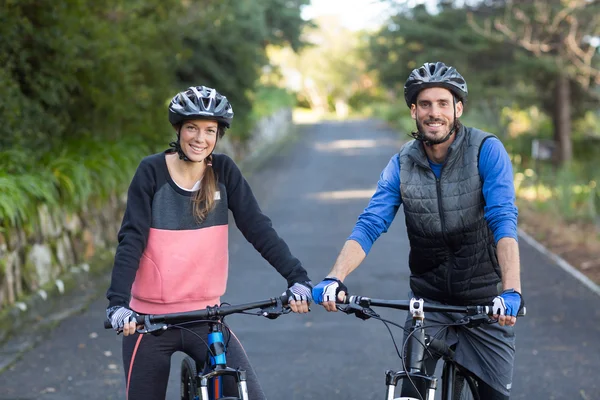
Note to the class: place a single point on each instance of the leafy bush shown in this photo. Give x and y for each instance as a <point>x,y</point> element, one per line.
<point>268,99</point>
<point>69,179</point>
<point>86,84</point>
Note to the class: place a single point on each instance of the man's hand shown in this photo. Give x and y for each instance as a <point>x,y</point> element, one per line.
<point>506,307</point>
<point>327,291</point>
<point>300,296</point>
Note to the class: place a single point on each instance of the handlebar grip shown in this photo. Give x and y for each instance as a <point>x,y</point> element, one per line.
<point>107,324</point>
<point>489,311</point>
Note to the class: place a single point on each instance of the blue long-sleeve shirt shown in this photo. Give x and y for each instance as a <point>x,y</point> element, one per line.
<point>496,173</point>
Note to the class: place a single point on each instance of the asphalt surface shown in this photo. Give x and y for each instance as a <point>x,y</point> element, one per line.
<point>313,190</point>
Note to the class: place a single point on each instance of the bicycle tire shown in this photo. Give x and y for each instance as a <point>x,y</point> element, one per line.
<point>189,384</point>
<point>464,387</point>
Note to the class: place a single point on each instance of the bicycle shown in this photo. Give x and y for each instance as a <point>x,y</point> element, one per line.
<point>457,382</point>
<point>204,380</point>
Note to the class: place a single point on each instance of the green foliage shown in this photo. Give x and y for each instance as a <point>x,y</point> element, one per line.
<point>82,69</point>
<point>330,72</point>
<point>85,86</point>
<point>413,37</point>
<point>397,115</point>
<point>225,47</point>
<point>269,99</point>
<point>69,180</point>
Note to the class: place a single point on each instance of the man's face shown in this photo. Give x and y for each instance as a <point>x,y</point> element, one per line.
<point>434,113</point>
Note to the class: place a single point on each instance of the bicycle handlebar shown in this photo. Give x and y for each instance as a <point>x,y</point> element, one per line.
<point>427,307</point>
<point>272,308</point>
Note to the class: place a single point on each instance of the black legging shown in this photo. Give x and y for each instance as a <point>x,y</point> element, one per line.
<point>486,392</point>
<point>150,360</point>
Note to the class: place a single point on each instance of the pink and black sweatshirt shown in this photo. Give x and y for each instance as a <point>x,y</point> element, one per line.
<point>168,262</point>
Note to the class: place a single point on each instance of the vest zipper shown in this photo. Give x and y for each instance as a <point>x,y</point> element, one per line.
<point>438,186</point>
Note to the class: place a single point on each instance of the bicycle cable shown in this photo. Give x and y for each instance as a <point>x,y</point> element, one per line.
<point>442,328</point>
<point>386,322</point>
<point>180,326</point>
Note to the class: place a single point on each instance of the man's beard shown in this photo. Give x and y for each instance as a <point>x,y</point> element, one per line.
<point>430,139</point>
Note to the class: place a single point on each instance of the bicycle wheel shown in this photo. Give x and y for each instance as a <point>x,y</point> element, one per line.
<point>189,384</point>
<point>464,387</point>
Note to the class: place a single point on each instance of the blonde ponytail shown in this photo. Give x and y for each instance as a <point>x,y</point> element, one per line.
<point>204,199</point>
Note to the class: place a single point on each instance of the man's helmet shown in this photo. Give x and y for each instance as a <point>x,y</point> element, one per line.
<point>434,75</point>
<point>200,102</point>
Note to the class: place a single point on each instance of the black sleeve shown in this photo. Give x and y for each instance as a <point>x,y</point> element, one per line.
<point>257,227</point>
<point>133,235</point>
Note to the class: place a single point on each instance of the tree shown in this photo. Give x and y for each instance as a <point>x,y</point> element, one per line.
<point>86,70</point>
<point>225,46</point>
<point>413,36</point>
<point>565,34</point>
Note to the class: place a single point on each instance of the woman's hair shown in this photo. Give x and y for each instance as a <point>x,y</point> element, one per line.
<point>204,199</point>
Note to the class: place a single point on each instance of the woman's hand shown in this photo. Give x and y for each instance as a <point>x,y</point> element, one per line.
<point>300,296</point>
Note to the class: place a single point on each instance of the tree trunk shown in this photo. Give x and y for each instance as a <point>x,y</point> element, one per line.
<point>562,121</point>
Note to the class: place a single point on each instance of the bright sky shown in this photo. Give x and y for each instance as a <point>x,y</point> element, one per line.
<point>355,14</point>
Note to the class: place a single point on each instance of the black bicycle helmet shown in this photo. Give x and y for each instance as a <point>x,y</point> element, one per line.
<point>200,102</point>
<point>435,75</point>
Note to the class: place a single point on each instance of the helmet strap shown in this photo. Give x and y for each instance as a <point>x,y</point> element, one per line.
<point>177,146</point>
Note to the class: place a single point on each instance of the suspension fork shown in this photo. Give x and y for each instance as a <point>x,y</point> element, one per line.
<point>217,359</point>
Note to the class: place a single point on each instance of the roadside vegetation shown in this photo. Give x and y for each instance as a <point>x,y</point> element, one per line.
<point>86,84</point>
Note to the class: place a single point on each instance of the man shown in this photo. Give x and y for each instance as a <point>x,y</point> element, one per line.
<point>456,185</point>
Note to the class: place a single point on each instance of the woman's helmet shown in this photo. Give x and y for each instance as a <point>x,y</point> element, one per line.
<point>200,102</point>
<point>435,75</point>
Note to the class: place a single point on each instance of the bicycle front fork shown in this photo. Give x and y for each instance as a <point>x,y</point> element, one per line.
<point>207,390</point>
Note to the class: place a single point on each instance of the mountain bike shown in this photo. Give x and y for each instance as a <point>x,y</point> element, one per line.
<point>204,380</point>
<point>457,382</point>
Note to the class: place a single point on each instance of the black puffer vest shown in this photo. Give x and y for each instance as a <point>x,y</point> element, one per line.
<point>453,256</point>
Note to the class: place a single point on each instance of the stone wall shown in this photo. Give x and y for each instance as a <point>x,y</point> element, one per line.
<point>33,258</point>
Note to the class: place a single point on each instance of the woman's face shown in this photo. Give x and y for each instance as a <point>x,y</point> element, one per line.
<point>198,138</point>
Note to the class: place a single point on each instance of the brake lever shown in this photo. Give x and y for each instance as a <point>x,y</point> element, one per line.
<point>154,329</point>
<point>274,311</point>
<point>476,320</point>
<point>363,313</point>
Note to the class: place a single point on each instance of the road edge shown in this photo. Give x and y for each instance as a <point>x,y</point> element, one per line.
<point>571,270</point>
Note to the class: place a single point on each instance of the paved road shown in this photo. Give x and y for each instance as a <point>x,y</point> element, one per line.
<point>313,190</point>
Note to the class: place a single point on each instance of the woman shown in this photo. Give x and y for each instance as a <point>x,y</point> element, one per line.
<point>172,254</point>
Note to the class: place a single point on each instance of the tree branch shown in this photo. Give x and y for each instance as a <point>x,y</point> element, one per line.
<point>541,33</point>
